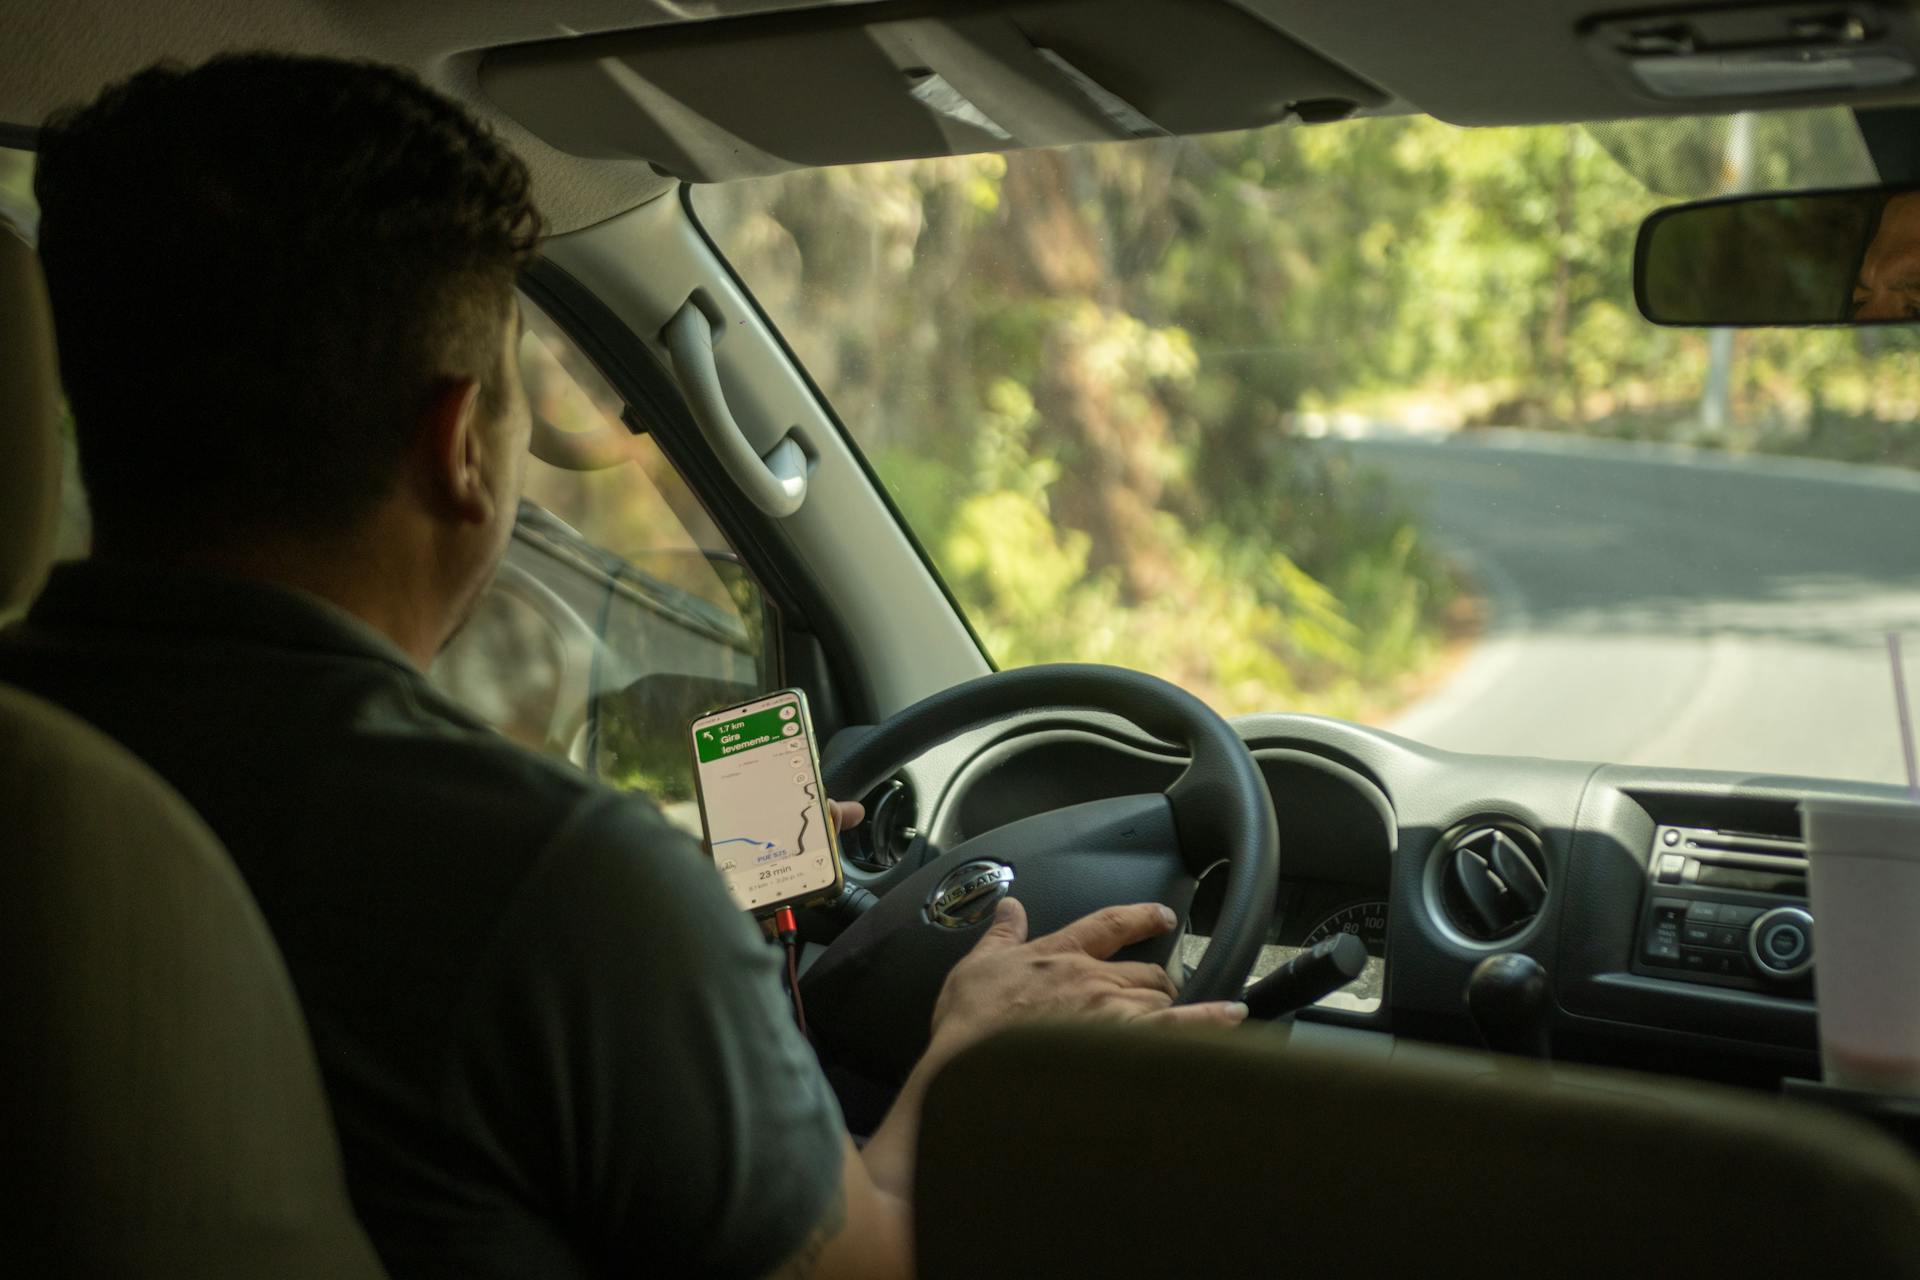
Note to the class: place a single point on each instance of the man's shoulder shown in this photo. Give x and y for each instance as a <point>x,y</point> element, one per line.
<point>337,776</point>
<point>193,704</point>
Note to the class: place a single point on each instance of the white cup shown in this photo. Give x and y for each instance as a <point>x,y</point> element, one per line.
<point>1864,893</point>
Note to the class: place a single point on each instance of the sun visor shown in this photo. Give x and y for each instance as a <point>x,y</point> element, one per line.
<point>742,97</point>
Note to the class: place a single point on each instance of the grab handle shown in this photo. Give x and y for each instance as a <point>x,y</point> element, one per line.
<point>775,482</point>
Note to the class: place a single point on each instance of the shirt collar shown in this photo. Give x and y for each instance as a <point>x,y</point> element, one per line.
<point>97,595</point>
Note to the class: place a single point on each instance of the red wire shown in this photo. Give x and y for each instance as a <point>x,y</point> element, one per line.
<point>789,931</point>
<point>793,985</point>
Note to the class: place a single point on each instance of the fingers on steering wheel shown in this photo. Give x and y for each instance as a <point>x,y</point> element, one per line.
<point>1216,1013</point>
<point>1107,930</point>
<point>1009,928</point>
<point>1133,1003</point>
<point>1139,974</point>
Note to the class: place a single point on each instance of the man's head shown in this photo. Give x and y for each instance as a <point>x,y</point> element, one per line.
<point>1888,287</point>
<point>284,294</point>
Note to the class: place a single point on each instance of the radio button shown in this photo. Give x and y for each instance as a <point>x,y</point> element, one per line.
<point>1661,945</point>
<point>1703,913</point>
<point>1662,951</point>
<point>1781,945</point>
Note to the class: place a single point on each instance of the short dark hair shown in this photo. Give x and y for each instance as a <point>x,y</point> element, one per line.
<point>258,267</point>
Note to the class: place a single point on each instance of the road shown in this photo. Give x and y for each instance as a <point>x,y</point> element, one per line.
<point>1651,606</point>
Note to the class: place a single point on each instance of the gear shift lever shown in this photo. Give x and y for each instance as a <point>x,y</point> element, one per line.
<point>1511,1004</point>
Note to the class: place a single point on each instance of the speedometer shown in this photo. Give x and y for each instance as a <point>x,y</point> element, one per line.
<point>1366,921</point>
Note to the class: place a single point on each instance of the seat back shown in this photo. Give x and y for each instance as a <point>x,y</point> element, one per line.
<point>161,1112</point>
<point>1064,1152</point>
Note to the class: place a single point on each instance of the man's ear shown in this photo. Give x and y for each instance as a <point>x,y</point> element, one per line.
<point>456,451</point>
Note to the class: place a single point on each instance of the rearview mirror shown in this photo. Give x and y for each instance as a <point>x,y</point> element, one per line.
<point>1812,258</point>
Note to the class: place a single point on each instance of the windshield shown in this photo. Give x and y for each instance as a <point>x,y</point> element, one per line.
<point>1361,420</point>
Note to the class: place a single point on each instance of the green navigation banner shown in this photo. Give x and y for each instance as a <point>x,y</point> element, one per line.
<point>724,738</point>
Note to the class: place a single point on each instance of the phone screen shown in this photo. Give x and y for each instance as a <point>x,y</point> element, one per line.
<point>758,779</point>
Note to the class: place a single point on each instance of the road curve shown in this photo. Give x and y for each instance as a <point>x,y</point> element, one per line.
<point>1655,606</point>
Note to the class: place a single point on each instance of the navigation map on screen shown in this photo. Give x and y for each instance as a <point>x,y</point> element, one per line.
<point>766,820</point>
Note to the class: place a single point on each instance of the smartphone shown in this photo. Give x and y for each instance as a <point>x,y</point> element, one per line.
<point>757,776</point>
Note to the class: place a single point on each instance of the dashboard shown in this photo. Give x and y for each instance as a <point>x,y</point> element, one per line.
<point>1651,897</point>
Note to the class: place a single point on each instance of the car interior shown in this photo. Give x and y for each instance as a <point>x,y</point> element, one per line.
<point>1579,1034</point>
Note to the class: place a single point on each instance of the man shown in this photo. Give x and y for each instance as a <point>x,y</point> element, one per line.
<point>284,294</point>
<point>1888,286</point>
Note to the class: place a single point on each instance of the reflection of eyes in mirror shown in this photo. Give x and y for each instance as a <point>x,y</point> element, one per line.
<point>1888,286</point>
<point>1802,258</point>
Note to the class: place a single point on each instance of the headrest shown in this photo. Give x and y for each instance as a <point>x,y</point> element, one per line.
<point>29,426</point>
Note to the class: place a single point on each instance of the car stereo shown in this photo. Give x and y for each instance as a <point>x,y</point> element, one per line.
<point>1729,909</point>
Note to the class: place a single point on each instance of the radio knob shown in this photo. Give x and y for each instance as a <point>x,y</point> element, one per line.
<point>1781,944</point>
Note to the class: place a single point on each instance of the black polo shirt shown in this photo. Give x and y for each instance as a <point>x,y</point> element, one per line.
<point>552,1044</point>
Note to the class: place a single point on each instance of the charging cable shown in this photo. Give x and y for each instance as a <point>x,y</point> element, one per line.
<point>789,933</point>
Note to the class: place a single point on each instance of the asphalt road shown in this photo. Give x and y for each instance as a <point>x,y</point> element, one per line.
<point>1655,607</point>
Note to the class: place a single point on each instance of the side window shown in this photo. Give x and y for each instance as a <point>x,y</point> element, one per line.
<point>19,210</point>
<point>619,612</point>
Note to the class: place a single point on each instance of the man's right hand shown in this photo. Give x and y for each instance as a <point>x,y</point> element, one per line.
<point>1003,980</point>
<point>1065,974</point>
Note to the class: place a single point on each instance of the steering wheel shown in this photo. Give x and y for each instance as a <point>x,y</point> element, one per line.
<point>870,996</point>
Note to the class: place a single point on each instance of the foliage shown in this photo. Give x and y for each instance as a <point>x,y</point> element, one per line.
<point>1075,381</point>
<point>1089,377</point>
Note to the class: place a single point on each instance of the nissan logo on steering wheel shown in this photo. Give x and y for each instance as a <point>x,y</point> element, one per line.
<point>967,894</point>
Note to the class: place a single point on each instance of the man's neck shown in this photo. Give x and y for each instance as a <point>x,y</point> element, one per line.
<point>373,579</point>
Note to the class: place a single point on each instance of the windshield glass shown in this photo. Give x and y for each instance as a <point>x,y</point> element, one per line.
<point>1361,419</point>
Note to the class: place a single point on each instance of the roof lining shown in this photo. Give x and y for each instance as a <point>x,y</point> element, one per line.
<point>1465,61</point>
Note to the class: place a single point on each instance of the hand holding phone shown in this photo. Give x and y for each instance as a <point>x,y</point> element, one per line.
<point>757,776</point>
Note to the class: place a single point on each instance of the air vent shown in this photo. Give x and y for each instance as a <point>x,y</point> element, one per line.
<point>1493,879</point>
<point>889,831</point>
